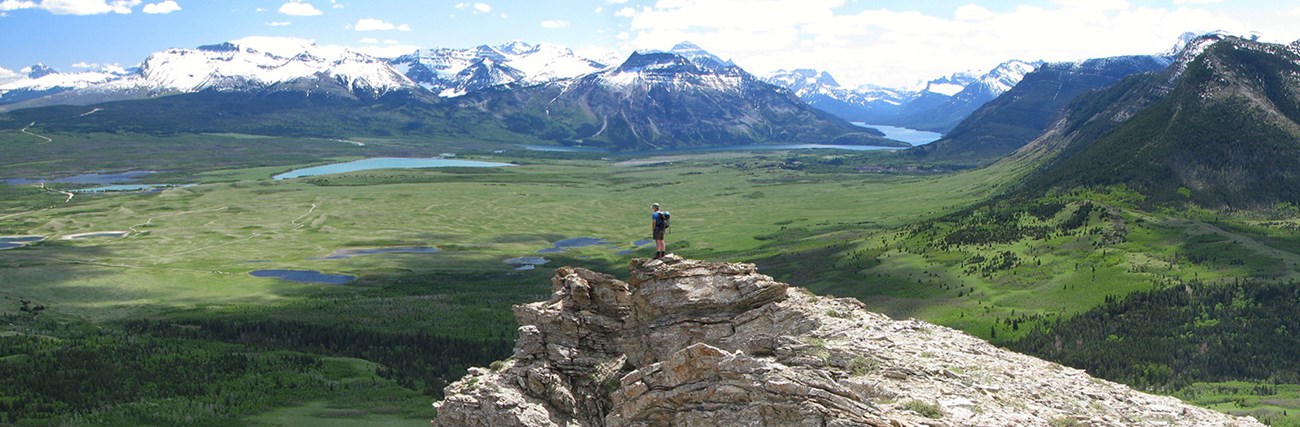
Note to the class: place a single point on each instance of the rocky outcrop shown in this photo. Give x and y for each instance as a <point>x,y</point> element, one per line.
<point>691,343</point>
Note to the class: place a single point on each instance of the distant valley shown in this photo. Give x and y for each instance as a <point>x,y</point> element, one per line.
<point>1134,216</point>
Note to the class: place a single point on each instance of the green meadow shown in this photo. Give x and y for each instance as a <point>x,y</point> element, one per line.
<point>378,350</point>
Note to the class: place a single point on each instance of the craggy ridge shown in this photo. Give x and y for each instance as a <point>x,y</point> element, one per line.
<point>693,343</point>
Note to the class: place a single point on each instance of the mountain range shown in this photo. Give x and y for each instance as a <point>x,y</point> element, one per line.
<point>1219,128</point>
<point>666,99</point>
<point>938,106</point>
<point>294,87</point>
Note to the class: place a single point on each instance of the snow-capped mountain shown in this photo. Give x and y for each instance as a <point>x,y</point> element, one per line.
<point>454,72</point>
<point>662,99</point>
<point>700,57</point>
<point>40,80</point>
<point>938,105</point>
<point>938,108</point>
<point>248,65</point>
<point>951,84</point>
<point>821,90</point>
<point>258,62</point>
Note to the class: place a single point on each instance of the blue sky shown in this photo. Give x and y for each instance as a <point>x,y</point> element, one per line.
<point>880,42</point>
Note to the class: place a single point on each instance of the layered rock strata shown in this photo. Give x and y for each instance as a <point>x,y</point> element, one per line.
<point>691,343</point>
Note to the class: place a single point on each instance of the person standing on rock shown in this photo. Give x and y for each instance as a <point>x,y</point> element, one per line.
<point>659,224</point>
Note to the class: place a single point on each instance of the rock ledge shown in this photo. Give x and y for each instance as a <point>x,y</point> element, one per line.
<point>692,343</point>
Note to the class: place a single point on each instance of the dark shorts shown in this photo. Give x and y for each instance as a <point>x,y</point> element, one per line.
<point>658,233</point>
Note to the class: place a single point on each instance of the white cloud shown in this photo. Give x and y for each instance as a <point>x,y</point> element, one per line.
<point>392,42</point>
<point>972,12</point>
<point>369,40</point>
<point>555,24</point>
<point>7,75</point>
<point>599,9</point>
<point>1197,1</point>
<point>8,5</point>
<point>279,23</point>
<point>482,7</point>
<point>260,10</point>
<point>334,4</point>
<point>298,8</point>
<point>73,7</point>
<point>85,65</point>
<point>897,47</point>
<point>371,24</point>
<point>165,7</point>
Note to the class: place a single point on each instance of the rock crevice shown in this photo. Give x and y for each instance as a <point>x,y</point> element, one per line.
<point>692,343</point>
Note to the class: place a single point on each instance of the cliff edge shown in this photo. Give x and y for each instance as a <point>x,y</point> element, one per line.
<point>692,343</point>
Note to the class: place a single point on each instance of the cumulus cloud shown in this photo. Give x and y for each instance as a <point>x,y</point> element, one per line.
<point>371,24</point>
<point>279,24</point>
<point>7,75</point>
<point>904,46</point>
<point>555,24</point>
<point>298,8</point>
<point>72,7</point>
<point>165,7</point>
<point>85,65</point>
<point>8,5</point>
<point>478,7</point>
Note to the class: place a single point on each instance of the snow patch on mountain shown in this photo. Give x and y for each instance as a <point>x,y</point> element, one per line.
<point>452,72</point>
<point>263,61</point>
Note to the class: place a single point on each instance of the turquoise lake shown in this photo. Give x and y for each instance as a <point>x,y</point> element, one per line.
<point>387,163</point>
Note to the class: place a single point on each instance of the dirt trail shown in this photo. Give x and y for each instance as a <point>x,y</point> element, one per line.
<point>46,138</point>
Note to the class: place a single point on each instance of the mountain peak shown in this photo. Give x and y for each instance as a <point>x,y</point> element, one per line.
<point>39,70</point>
<point>657,62</point>
<point>686,46</point>
<point>687,342</point>
<point>699,56</point>
<point>516,47</point>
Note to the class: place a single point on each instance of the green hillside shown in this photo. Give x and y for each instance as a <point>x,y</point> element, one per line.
<point>1024,112</point>
<point>1226,136</point>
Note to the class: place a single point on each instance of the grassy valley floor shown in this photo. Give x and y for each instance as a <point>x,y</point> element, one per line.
<point>380,348</point>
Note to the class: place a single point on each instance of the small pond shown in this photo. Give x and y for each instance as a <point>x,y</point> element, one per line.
<point>527,260</point>
<point>576,242</point>
<point>89,178</point>
<point>124,187</point>
<point>10,242</point>
<point>635,244</point>
<point>387,163</point>
<point>353,252</point>
<point>527,263</point>
<point>306,276</point>
<point>97,234</point>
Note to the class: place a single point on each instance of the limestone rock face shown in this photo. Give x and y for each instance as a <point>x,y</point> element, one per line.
<point>692,343</point>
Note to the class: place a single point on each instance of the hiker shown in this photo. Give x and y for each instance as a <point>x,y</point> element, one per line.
<point>659,223</point>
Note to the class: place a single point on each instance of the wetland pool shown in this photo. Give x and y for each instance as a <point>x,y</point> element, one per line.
<point>10,242</point>
<point>305,276</point>
<point>355,252</point>
<point>387,163</point>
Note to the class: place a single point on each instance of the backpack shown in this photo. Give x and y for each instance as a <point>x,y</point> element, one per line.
<point>664,217</point>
